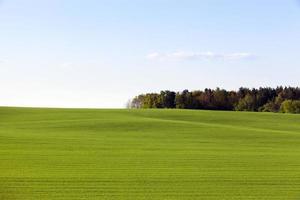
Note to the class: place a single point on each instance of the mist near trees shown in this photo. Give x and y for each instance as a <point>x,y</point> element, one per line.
<point>263,99</point>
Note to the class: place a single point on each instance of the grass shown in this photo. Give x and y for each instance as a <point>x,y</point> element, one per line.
<point>148,154</point>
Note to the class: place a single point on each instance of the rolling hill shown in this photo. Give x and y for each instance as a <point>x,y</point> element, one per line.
<point>148,154</point>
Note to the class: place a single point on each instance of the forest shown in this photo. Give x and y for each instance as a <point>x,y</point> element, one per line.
<point>263,99</point>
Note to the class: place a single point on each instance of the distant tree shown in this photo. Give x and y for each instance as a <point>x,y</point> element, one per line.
<point>208,99</point>
<point>179,101</point>
<point>246,104</point>
<point>196,96</point>
<point>284,99</point>
<point>264,96</point>
<point>296,106</point>
<point>242,92</point>
<point>269,107</point>
<point>220,100</point>
<point>233,99</point>
<point>167,99</point>
<point>278,101</point>
<point>290,106</point>
<point>286,106</point>
<point>137,102</point>
<point>152,100</point>
<point>184,100</point>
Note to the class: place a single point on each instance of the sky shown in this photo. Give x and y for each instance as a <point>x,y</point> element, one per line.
<point>100,53</point>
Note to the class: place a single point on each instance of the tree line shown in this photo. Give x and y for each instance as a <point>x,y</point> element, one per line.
<point>263,99</point>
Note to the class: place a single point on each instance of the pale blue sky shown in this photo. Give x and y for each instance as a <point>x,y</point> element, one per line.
<point>99,53</point>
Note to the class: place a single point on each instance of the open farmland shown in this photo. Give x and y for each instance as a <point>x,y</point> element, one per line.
<point>148,154</point>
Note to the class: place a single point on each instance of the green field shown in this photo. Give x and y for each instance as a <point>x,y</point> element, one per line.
<point>148,154</point>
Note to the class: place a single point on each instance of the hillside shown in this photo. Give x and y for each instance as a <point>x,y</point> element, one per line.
<point>148,154</point>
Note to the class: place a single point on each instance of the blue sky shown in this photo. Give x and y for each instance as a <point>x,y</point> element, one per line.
<point>99,53</point>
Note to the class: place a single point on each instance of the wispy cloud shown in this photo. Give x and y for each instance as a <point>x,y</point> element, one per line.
<point>182,56</point>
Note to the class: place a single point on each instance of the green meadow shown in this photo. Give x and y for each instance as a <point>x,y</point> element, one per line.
<point>78,154</point>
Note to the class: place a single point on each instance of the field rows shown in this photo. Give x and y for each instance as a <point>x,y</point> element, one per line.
<point>148,154</point>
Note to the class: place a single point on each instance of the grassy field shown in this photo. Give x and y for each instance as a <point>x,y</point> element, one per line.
<point>148,154</point>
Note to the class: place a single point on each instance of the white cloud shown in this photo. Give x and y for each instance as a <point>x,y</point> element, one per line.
<point>238,56</point>
<point>181,56</point>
